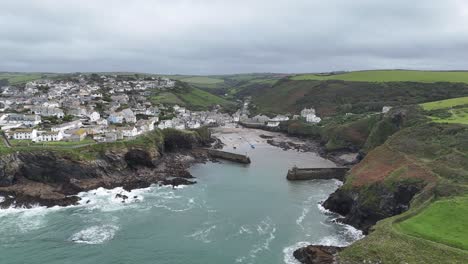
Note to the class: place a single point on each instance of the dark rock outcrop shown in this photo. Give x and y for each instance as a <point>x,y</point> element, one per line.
<point>316,254</point>
<point>51,178</point>
<point>363,207</point>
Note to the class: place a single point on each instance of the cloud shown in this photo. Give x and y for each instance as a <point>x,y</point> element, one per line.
<point>214,36</point>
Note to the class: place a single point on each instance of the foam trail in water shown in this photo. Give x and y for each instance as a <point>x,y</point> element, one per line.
<point>266,230</point>
<point>288,252</point>
<point>22,219</point>
<point>95,234</point>
<point>202,234</point>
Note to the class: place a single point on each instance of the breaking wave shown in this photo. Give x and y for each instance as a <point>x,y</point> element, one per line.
<point>95,234</point>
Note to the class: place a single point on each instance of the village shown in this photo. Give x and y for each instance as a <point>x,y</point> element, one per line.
<point>106,109</point>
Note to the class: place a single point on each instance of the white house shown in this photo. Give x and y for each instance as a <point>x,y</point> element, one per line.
<point>128,131</point>
<point>313,119</point>
<point>126,115</point>
<point>66,126</point>
<point>385,109</point>
<point>27,120</point>
<point>47,111</point>
<point>305,112</point>
<point>193,124</point>
<point>273,123</point>
<point>94,116</point>
<point>24,134</point>
<point>129,116</point>
<point>165,124</point>
<point>310,116</point>
<point>49,136</point>
<point>280,118</point>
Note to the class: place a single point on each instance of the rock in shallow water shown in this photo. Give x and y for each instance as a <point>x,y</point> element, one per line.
<point>316,254</point>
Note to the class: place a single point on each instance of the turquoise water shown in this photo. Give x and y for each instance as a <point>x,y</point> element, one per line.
<point>234,214</point>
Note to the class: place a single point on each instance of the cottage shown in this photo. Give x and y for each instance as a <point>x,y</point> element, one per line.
<point>24,134</point>
<point>49,136</point>
<point>260,119</point>
<point>128,131</point>
<point>94,116</point>
<point>47,111</point>
<point>67,126</point>
<point>305,112</point>
<point>310,116</point>
<point>280,118</point>
<point>386,109</point>
<point>273,123</point>
<point>27,120</point>
<point>129,116</point>
<point>165,124</point>
<point>78,135</point>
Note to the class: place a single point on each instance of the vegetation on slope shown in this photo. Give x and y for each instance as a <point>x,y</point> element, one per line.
<point>453,110</point>
<point>339,97</point>
<point>443,221</point>
<point>429,155</point>
<point>14,78</point>
<point>391,76</point>
<point>185,95</point>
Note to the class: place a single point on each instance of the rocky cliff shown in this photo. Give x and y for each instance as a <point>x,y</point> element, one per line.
<point>53,177</point>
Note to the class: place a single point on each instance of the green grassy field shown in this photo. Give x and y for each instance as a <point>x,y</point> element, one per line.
<point>443,104</point>
<point>193,98</point>
<point>453,110</point>
<point>197,97</point>
<point>166,98</point>
<point>202,80</point>
<point>391,76</point>
<point>17,78</point>
<point>444,221</point>
<point>51,144</point>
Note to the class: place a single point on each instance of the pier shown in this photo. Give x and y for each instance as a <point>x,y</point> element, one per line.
<point>301,174</point>
<point>234,157</point>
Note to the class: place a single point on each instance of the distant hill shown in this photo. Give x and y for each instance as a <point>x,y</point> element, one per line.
<point>391,76</point>
<point>334,97</point>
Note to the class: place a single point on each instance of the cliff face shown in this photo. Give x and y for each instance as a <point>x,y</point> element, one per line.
<point>362,208</point>
<point>49,177</point>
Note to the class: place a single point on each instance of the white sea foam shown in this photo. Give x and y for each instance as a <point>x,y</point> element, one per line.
<point>299,220</point>
<point>288,252</point>
<point>22,219</point>
<point>95,234</point>
<point>266,230</point>
<point>337,182</point>
<point>202,234</point>
<point>2,199</point>
<point>323,210</point>
<point>117,199</point>
<point>244,230</point>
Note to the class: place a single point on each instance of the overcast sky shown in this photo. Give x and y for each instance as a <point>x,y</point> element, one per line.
<point>238,36</point>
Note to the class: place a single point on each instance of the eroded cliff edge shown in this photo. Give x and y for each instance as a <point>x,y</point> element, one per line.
<point>54,176</point>
<point>417,163</point>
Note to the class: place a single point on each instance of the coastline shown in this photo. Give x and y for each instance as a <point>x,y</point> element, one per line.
<point>171,168</point>
<point>166,169</point>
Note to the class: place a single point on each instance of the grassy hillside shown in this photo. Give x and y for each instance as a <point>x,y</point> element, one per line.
<point>444,104</point>
<point>339,97</point>
<point>453,110</point>
<point>433,230</point>
<point>185,95</point>
<point>12,78</point>
<point>202,80</point>
<point>391,76</point>
<point>234,86</point>
<point>443,221</point>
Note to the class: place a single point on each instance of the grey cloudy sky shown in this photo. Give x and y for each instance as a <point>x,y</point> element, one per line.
<point>219,36</point>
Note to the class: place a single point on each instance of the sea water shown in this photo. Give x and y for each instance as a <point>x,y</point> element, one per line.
<point>234,214</point>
